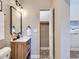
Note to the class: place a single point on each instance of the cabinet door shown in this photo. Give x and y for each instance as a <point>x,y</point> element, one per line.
<point>24,50</point>
<point>20,51</point>
<point>27,50</point>
<point>14,51</point>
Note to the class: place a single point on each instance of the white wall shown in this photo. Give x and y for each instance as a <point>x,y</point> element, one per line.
<point>6,11</point>
<point>61,24</point>
<point>44,16</point>
<point>44,4</point>
<point>32,8</point>
<point>74,41</point>
<point>74,15</point>
<point>33,19</point>
<point>62,17</point>
<point>74,7</point>
<point>30,16</point>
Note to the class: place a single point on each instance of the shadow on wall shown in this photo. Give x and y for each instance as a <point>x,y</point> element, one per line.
<point>67,1</point>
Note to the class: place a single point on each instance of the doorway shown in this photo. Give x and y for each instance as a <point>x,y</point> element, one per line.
<point>44,39</point>
<point>46,33</point>
<point>74,29</point>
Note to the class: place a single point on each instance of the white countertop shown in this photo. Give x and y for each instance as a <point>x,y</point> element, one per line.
<point>24,39</point>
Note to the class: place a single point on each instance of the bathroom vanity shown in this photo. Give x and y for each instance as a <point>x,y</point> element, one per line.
<point>21,49</point>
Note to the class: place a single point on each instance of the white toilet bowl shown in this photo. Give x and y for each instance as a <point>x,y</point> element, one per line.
<point>5,53</point>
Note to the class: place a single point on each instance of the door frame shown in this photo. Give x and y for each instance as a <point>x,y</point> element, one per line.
<point>51,32</point>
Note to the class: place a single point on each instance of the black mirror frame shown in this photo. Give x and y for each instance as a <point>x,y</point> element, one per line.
<point>1,5</point>
<point>11,20</point>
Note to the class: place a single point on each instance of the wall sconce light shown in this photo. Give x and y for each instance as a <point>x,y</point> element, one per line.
<point>18,3</point>
<point>20,8</point>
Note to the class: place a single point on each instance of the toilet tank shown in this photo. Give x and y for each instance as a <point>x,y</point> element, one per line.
<point>5,53</point>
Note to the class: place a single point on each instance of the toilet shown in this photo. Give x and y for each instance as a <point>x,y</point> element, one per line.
<point>5,53</point>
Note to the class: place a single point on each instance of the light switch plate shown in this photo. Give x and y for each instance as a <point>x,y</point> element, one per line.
<point>35,30</point>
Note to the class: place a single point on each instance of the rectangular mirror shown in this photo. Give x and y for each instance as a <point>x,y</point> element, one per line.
<point>15,20</point>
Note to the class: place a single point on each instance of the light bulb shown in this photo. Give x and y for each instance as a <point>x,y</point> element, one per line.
<point>21,10</point>
<point>25,13</point>
<point>18,9</point>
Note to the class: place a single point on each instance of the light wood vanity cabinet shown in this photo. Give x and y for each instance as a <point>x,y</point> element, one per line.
<point>20,50</point>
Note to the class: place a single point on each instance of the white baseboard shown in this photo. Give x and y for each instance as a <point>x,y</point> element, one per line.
<point>44,48</point>
<point>74,58</point>
<point>35,56</point>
